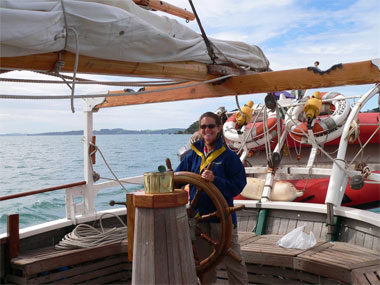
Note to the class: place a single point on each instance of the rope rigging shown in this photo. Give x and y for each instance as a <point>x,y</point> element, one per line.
<point>92,82</point>
<point>251,129</point>
<point>313,141</point>
<point>363,146</point>
<point>97,176</point>
<point>298,151</point>
<point>106,95</point>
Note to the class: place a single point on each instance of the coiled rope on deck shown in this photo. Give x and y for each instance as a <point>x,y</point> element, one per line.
<point>85,236</point>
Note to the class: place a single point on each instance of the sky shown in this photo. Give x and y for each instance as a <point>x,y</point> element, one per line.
<point>291,33</point>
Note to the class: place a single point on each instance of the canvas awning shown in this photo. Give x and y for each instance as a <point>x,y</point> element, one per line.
<point>110,29</point>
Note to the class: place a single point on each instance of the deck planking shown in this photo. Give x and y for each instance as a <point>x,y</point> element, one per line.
<point>281,222</point>
<point>105,263</point>
<point>267,263</point>
<point>345,262</point>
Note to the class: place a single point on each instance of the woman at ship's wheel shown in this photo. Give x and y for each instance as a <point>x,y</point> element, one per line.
<point>218,166</point>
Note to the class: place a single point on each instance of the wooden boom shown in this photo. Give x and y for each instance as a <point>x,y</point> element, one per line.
<point>351,73</point>
<point>244,82</point>
<point>188,70</point>
<point>167,8</point>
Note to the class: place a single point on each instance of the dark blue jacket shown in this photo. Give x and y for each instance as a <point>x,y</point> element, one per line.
<point>229,172</point>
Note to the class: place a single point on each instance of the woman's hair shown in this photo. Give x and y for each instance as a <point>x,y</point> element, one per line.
<point>216,118</point>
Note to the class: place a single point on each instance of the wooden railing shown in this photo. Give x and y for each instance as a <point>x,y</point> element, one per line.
<point>49,189</point>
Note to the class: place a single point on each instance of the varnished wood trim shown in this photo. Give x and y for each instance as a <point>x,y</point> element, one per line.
<point>13,235</point>
<point>165,200</point>
<point>49,189</point>
<point>351,73</point>
<point>188,70</point>
<point>131,211</point>
<point>167,8</point>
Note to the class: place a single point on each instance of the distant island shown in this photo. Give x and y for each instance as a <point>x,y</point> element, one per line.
<point>117,131</point>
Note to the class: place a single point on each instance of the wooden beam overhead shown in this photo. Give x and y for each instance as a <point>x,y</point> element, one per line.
<point>167,8</point>
<point>186,70</point>
<point>350,74</point>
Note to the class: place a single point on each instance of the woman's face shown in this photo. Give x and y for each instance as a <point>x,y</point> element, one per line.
<point>209,130</point>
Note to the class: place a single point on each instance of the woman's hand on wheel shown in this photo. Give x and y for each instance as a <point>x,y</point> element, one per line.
<point>208,175</point>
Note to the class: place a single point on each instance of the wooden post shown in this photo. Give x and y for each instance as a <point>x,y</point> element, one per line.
<point>162,251</point>
<point>330,221</point>
<point>13,235</point>
<point>92,148</point>
<point>130,224</point>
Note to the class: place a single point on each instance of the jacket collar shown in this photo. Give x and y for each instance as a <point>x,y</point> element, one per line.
<point>197,147</point>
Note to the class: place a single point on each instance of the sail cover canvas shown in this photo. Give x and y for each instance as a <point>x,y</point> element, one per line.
<point>110,29</point>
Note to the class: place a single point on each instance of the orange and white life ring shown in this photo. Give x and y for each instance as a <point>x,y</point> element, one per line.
<point>251,134</point>
<point>326,128</point>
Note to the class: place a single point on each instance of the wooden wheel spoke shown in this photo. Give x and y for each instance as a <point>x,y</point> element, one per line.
<point>236,208</point>
<point>208,216</point>
<point>196,257</point>
<point>197,196</point>
<point>206,237</point>
<point>234,256</point>
<point>194,203</point>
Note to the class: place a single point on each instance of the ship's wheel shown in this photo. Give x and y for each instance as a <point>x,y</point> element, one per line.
<point>223,213</point>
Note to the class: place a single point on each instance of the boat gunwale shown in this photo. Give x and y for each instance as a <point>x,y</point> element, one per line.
<point>347,212</point>
<point>365,216</point>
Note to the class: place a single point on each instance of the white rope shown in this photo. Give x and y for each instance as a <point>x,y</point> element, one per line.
<point>371,182</point>
<point>92,82</point>
<point>238,105</point>
<point>65,21</point>
<point>323,101</point>
<point>106,95</point>
<point>288,148</point>
<point>268,150</point>
<point>278,123</point>
<point>75,68</point>
<point>120,181</point>
<point>298,151</point>
<point>362,147</point>
<point>85,236</point>
<point>316,144</point>
<point>251,129</point>
<point>105,161</point>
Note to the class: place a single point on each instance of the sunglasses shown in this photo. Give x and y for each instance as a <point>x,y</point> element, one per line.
<point>210,126</point>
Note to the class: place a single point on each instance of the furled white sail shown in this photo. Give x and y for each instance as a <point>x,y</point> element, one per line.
<point>110,29</point>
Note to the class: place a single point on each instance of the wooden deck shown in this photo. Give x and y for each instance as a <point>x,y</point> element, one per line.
<point>325,263</point>
<point>281,222</point>
<point>267,263</point>
<point>97,265</point>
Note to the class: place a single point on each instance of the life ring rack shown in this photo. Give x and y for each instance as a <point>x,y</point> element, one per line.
<point>253,134</point>
<point>326,128</point>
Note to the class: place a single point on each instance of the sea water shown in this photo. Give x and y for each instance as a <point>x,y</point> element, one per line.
<point>34,162</point>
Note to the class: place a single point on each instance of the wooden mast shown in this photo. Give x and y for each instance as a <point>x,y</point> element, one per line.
<point>351,73</point>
